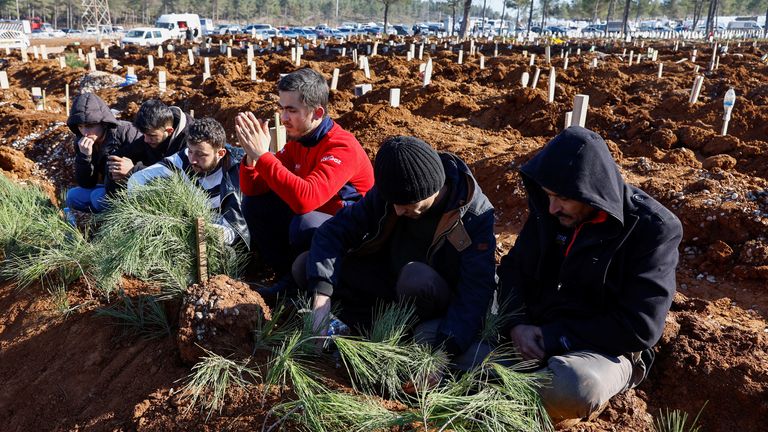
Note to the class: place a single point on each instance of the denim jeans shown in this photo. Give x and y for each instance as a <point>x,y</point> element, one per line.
<point>87,200</point>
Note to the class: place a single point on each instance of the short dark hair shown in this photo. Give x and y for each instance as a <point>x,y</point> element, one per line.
<point>153,115</point>
<point>209,130</point>
<point>310,84</point>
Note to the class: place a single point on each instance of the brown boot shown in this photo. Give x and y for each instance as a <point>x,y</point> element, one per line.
<point>569,423</point>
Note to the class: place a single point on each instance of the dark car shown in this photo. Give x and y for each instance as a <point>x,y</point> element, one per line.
<point>594,28</point>
<point>401,30</point>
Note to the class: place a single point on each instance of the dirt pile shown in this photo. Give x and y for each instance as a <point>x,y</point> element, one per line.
<point>715,344</point>
<point>219,316</point>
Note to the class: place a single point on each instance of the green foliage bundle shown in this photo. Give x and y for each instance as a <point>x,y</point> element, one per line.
<point>38,244</point>
<point>211,378</point>
<point>144,316</point>
<point>150,233</point>
<point>676,421</point>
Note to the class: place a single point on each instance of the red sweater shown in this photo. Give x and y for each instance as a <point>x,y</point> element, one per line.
<point>325,177</point>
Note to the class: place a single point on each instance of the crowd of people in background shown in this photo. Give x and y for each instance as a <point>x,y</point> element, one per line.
<point>587,284</point>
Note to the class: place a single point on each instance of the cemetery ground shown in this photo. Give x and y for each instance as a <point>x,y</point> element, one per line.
<point>65,368</point>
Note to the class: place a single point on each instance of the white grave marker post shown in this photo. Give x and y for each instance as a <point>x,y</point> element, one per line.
<point>115,64</point>
<point>693,56</point>
<point>536,74</point>
<point>106,52</point>
<point>482,62</point>
<point>696,69</point>
<point>253,71</point>
<point>62,62</point>
<point>547,54</point>
<point>421,51</point>
<point>92,62</point>
<point>728,101</point>
<point>394,97</point>
<point>4,80</point>
<point>160,51</point>
<point>37,98</point>
<point>66,97</point>
<point>366,68</point>
<point>335,79</point>
<point>661,68</point>
<point>654,56</point>
<point>44,52</point>
<point>580,107</point>
<point>361,89</point>
<point>191,57</point>
<point>533,60</point>
<point>150,62</point>
<point>298,58</point>
<point>161,81</point>
<point>565,63</point>
<point>344,52</point>
<point>207,66</point>
<point>696,89</point>
<point>461,56</point>
<point>80,54</point>
<point>354,56</point>
<point>594,63</point>
<point>36,52</point>
<point>24,55</point>
<point>568,119</point>
<point>631,57</point>
<point>229,52</point>
<point>249,55</point>
<point>293,54</point>
<point>524,79</point>
<point>428,72</point>
<point>206,75</point>
<point>552,78</point>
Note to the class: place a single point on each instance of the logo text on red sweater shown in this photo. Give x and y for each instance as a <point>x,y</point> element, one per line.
<point>331,158</point>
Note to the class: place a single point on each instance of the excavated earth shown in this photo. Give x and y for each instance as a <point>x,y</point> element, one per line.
<point>76,372</point>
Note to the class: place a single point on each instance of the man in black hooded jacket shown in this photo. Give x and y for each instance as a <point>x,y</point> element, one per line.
<point>591,276</point>
<point>98,135</point>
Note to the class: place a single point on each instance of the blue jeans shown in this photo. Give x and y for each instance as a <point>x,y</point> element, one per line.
<point>87,200</point>
<point>277,233</point>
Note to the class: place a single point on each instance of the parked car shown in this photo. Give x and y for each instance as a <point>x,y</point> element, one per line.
<point>556,30</point>
<point>401,30</point>
<point>226,29</point>
<point>594,28</point>
<point>146,36</point>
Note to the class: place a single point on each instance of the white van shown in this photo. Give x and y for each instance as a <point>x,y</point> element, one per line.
<point>743,25</point>
<point>177,24</point>
<point>146,36</point>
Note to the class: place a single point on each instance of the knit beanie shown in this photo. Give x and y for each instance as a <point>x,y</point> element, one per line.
<point>407,170</point>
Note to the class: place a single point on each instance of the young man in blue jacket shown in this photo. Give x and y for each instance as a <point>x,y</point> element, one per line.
<point>591,276</point>
<point>423,233</point>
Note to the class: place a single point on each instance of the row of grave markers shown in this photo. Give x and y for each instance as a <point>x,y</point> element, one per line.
<point>425,69</point>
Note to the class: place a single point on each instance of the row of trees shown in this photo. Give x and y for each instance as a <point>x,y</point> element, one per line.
<point>67,13</point>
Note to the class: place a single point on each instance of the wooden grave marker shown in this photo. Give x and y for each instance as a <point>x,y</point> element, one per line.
<point>335,79</point>
<point>4,80</point>
<point>551,88</point>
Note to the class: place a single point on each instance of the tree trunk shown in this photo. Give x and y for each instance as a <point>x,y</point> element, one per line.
<point>503,13</point>
<point>711,16</point>
<point>543,13</point>
<point>465,23</point>
<point>625,19</point>
<point>594,11</point>
<point>386,15</point>
<point>453,17</point>
<point>609,15</point>
<point>530,19</point>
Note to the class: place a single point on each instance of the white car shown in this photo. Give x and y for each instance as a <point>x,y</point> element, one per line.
<point>146,36</point>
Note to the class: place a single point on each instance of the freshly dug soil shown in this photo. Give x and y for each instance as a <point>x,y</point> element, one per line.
<point>76,372</point>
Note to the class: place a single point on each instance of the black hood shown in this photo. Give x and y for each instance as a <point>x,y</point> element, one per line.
<point>89,108</point>
<point>577,165</point>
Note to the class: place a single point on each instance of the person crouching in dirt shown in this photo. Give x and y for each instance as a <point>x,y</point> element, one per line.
<point>211,166</point>
<point>287,195</point>
<point>422,234</point>
<point>591,276</point>
<point>97,136</point>
<point>164,130</point>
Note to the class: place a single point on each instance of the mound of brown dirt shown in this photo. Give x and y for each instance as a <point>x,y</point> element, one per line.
<point>219,316</point>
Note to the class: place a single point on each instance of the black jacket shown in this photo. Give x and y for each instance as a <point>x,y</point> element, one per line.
<point>91,170</point>
<point>613,288</point>
<point>143,155</point>
<point>462,251</point>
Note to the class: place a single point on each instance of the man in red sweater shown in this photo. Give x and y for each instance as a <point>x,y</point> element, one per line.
<point>321,169</point>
